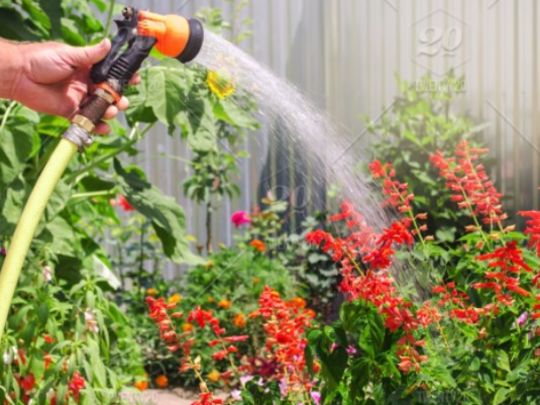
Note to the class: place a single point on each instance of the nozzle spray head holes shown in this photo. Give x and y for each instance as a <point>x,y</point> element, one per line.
<point>195,41</point>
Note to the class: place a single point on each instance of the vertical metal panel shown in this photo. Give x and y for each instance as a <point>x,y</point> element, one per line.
<point>344,54</point>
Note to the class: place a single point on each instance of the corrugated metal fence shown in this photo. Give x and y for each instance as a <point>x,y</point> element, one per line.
<point>344,55</point>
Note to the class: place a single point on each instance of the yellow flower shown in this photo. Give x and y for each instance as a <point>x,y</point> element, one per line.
<point>162,381</point>
<point>219,85</point>
<point>151,292</point>
<point>187,327</point>
<point>174,299</point>
<point>225,304</point>
<point>214,376</point>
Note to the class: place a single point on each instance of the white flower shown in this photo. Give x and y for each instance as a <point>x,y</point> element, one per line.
<point>91,323</point>
<point>9,355</point>
<point>236,395</point>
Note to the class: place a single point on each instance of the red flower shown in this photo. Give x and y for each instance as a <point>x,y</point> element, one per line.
<point>27,383</point>
<point>427,314</point>
<point>207,398</point>
<point>285,326</point>
<point>509,262</point>
<point>48,339</point>
<point>203,317</point>
<point>365,257</point>
<point>123,203</point>
<point>397,193</point>
<point>471,187</point>
<point>76,385</point>
<point>533,228</point>
<point>460,308</point>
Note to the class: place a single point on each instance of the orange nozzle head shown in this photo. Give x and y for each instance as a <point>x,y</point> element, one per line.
<point>176,36</point>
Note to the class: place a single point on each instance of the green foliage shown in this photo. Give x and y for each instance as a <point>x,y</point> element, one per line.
<point>57,330</point>
<point>229,285</point>
<point>71,21</point>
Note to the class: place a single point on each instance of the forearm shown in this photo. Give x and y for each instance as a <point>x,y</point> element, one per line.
<point>10,68</point>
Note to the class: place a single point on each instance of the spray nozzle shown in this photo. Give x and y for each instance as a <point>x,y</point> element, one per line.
<point>173,35</point>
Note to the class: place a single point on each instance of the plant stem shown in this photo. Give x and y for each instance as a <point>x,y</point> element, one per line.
<point>6,114</point>
<point>208,227</point>
<point>109,18</point>
<point>93,194</point>
<point>141,257</point>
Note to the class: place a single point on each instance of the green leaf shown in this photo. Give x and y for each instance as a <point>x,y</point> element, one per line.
<point>16,147</point>
<point>166,215</point>
<point>203,134</point>
<point>502,361</point>
<point>61,236</point>
<point>12,199</point>
<point>97,366</point>
<point>166,92</point>
<point>37,15</point>
<point>227,110</point>
<point>53,9</point>
<point>12,26</point>
<point>500,396</point>
<point>70,32</point>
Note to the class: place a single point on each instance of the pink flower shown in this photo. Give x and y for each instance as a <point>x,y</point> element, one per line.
<point>240,218</point>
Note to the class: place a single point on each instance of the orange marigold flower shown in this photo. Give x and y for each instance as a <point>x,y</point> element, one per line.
<point>258,244</point>
<point>298,302</point>
<point>141,385</point>
<point>151,292</point>
<point>214,376</point>
<point>239,320</point>
<point>187,327</point>
<point>162,381</point>
<point>224,303</point>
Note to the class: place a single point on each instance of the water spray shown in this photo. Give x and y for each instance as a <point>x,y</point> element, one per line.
<point>138,32</point>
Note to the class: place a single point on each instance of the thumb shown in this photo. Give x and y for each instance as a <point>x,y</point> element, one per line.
<point>88,55</point>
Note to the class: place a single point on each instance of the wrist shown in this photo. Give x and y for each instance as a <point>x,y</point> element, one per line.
<point>12,69</point>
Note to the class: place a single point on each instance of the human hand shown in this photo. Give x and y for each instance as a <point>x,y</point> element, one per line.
<point>54,78</point>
